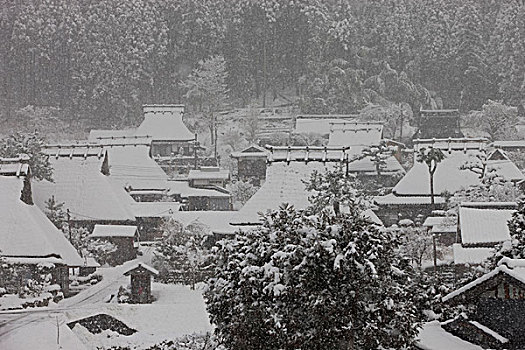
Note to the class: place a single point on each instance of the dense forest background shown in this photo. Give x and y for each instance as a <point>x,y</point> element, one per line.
<point>98,61</point>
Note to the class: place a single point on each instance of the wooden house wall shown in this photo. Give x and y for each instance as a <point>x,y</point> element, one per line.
<point>209,203</point>
<point>251,169</point>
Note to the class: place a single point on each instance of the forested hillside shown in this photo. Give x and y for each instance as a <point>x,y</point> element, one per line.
<point>101,60</point>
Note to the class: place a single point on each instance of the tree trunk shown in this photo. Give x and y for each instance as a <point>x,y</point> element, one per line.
<point>431,188</point>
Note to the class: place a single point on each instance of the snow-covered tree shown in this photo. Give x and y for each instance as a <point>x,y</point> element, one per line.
<point>183,257</point>
<point>498,120</point>
<point>55,212</point>
<point>241,191</point>
<point>431,157</point>
<point>102,250</point>
<point>319,279</point>
<point>30,144</point>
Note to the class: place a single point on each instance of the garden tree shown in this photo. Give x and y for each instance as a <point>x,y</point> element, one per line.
<point>431,157</point>
<point>391,115</point>
<point>233,138</point>
<point>494,189</point>
<point>417,244</point>
<point>498,120</point>
<point>251,125</point>
<point>313,280</point>
<point>32,145</point>
<point>207,91</point>
<point>55,212</point>
<point>102,250</point>
<point>241,191</point>
<point>183,256</point>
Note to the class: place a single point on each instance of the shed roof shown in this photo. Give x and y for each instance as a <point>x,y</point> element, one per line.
<point>141,267</point>
<point>25,230</point>
<point>514,268</point>
<point>164,123</point>
<point>484,225</point>
<point>251,151</point>
<point>471,255</point>
<point>209,173</point>
<point>100,231</point>
<point>86,192</point>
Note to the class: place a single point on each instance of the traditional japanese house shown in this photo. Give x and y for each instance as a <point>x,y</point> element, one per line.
<point>443,228</point>
<point>498,300</point>
<point>123,236</point>
<point>410,197</point>
<point>289,167</point>
<point>141,276</point>
<point>213,198</point>
<point>151,215</point>
<point>81,181</point>
<point>27,238</point>
<point>208,176</point>
<point>441,123</point>
<point>251,164</point>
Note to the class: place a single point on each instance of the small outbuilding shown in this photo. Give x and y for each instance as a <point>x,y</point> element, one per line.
<point>141,283</point>
<point>123,236</point>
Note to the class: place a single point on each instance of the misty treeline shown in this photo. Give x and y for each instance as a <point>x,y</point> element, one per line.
<point>102,59</point>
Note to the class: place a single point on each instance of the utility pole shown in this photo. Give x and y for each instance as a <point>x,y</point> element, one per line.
<point>195,145</point>
<point>69,225</point>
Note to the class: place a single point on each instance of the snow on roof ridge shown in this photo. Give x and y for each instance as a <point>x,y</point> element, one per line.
<point>511,263</point>
<point>491,205</point>
<point>470,285</point>
<point>142,265</point>
<point>489,331</point>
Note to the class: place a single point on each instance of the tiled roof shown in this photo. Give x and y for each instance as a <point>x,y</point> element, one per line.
<point>474,255</point>
<point>391,199</point>
<point>25,231</point>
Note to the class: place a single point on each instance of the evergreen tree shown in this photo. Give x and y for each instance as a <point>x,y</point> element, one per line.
<point>314,279</point>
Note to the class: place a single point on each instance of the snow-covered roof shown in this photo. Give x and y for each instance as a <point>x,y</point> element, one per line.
<point>444,228</point>
<point>209,173</point>
<point>84,190</point>
<point>367,166</point>
<point>452,144</point>
<point>141,266</point>
<point>132,167</point>
<point>100,231</point>
<point>449,176</point>
<point>484,225</point>
<point>154,209</point>
<point>164,123</point>
<point>432,337</point>
<point>251,151</point>
<point>17,166</point>
<point>307,153</point>
<point>509,144</point>
<point>106,136</point>
<point>283,185</point>
<point>391,199</point>
<point>217,221</point>
<point>313,125</point>
<point>183,189</point>
<point>514,268</point>
<point>25,231</point>
<point>471,256</point>
<point>357,135</point>
<point>439,220</point>
<point>369,214</point>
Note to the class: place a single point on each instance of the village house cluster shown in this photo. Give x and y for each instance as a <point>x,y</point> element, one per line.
<point>121,186</point>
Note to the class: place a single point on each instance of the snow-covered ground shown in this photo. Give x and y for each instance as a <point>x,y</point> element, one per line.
<point>177,311</point>
<point>433,337</point>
